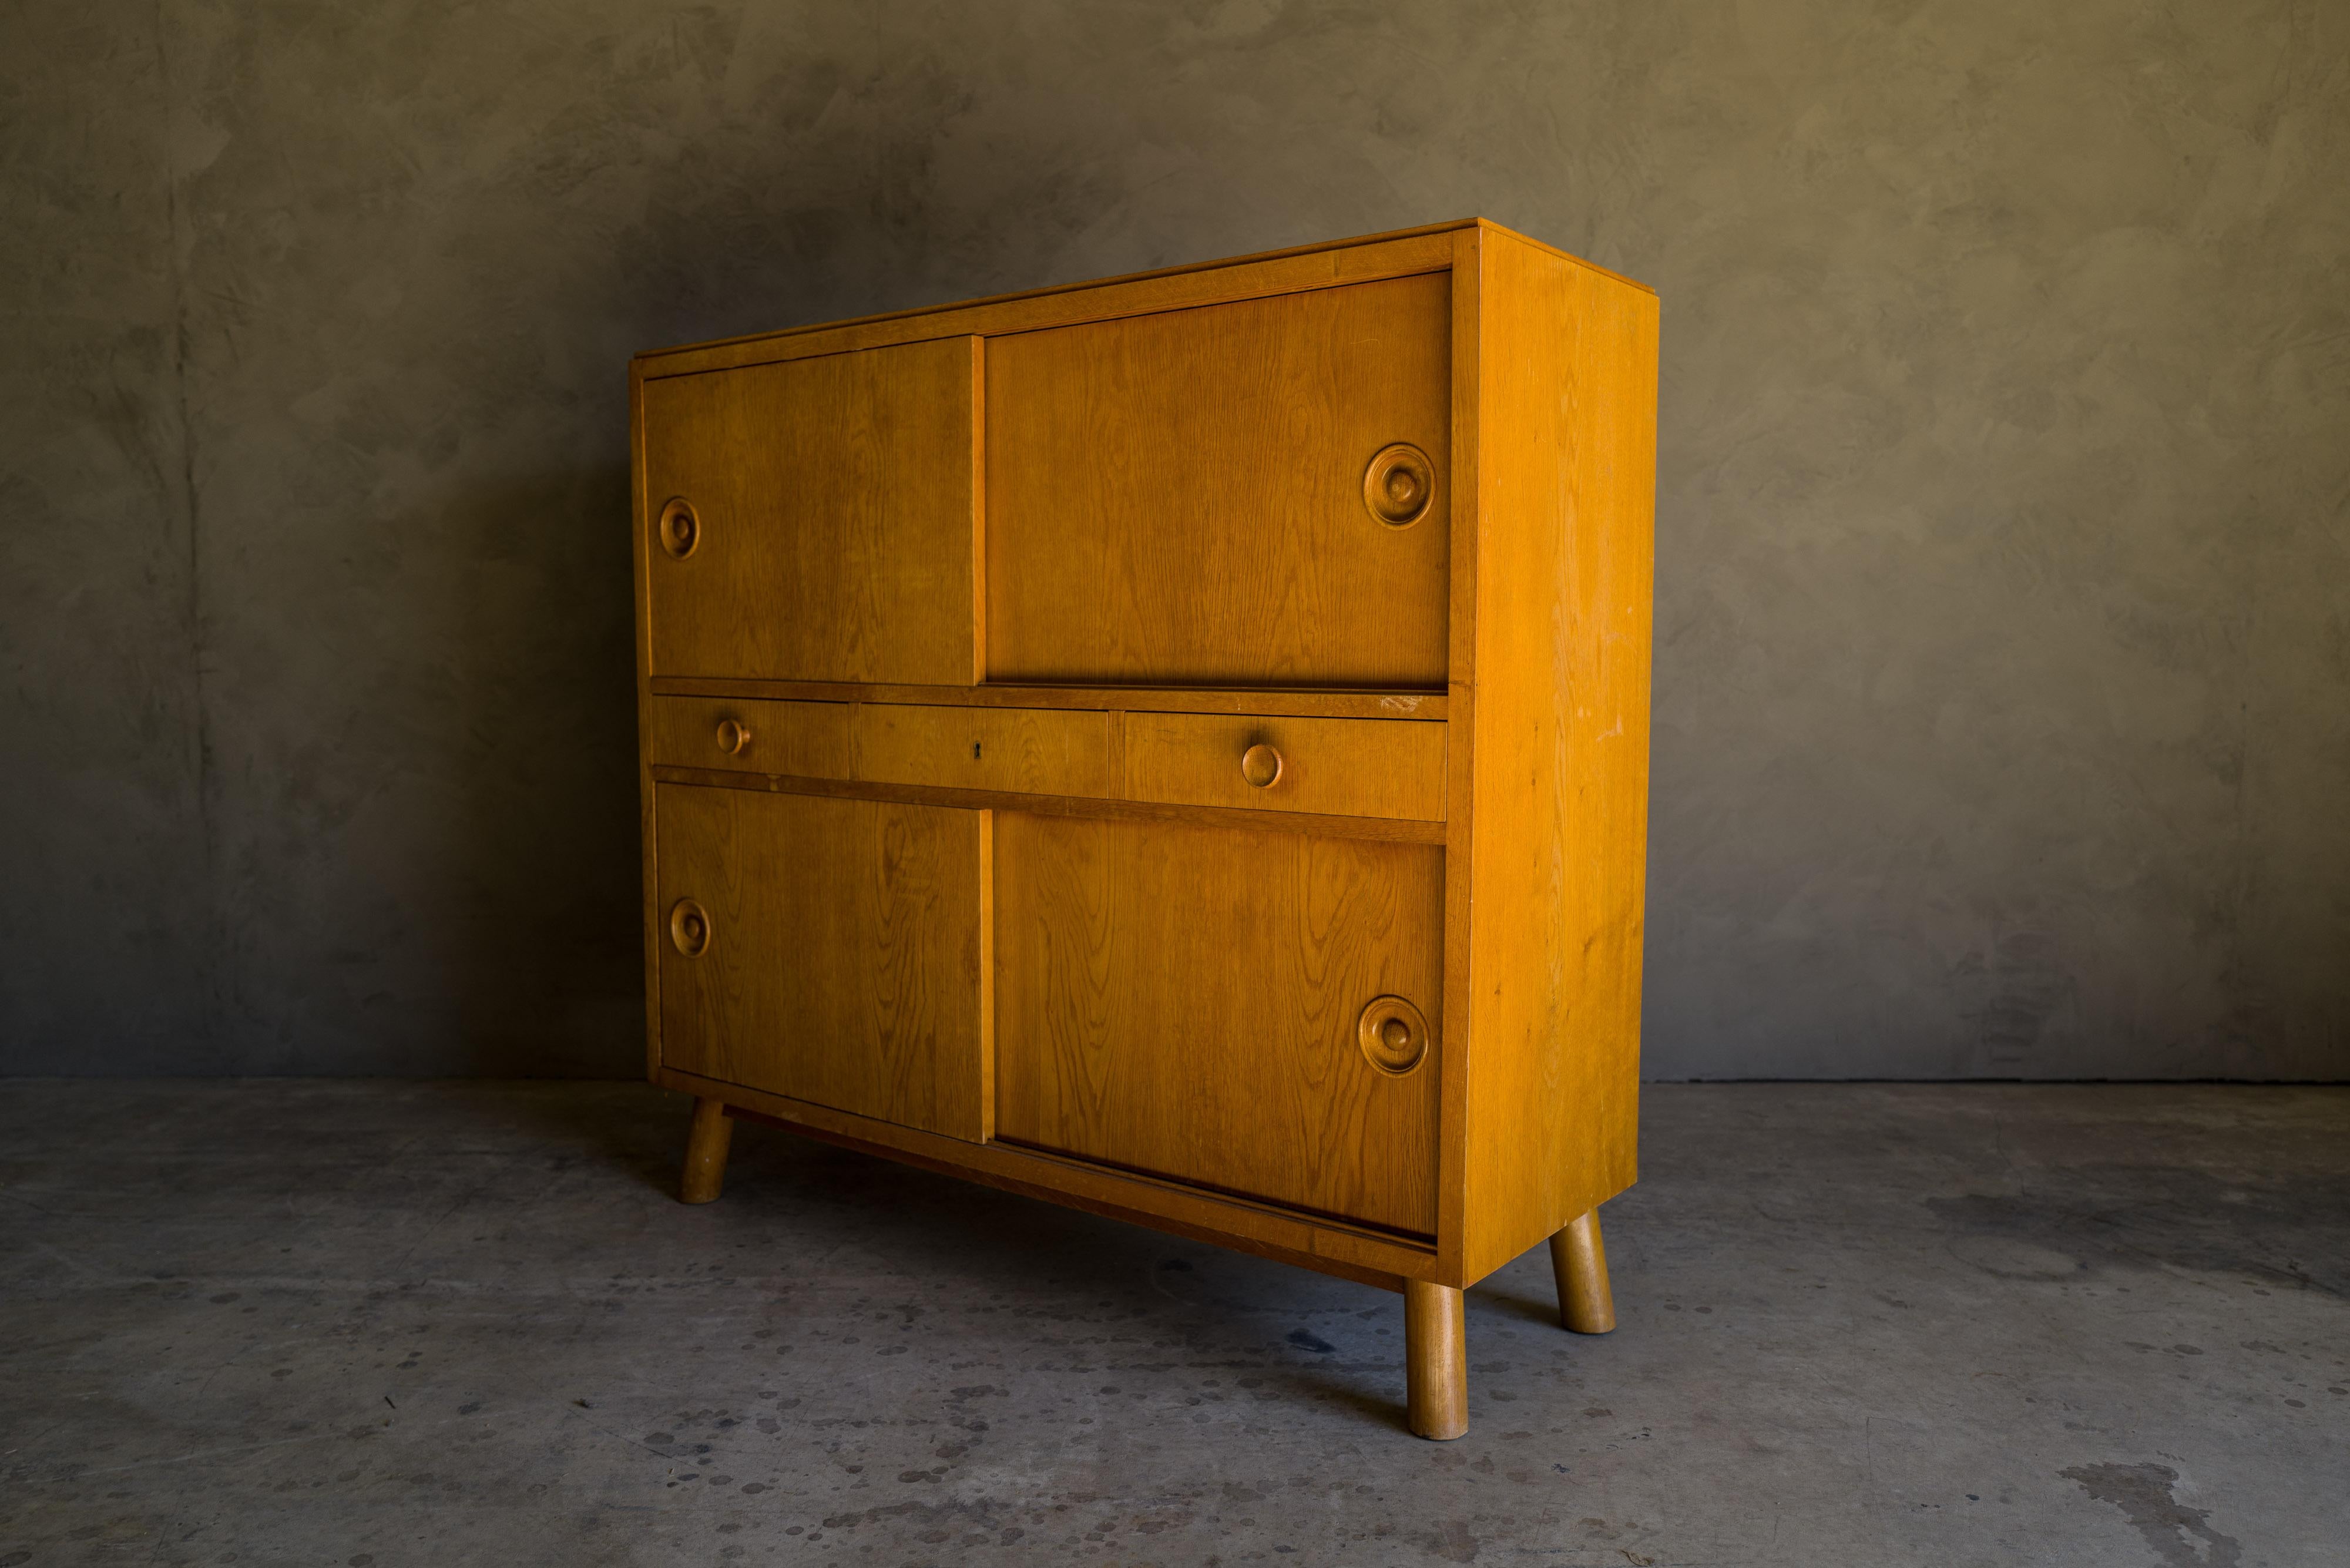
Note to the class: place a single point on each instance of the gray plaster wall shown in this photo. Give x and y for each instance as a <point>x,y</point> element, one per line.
<point>2003,680</point>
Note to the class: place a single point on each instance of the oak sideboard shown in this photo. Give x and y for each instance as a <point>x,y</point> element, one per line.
<point>1176,746</point>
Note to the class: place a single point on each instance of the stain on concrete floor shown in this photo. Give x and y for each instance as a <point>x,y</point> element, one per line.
<point>2143,1493</point>
<point>382,1323</point>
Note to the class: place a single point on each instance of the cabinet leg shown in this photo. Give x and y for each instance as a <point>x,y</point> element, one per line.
<point>1579,1262</point>
<point>705,1153</point>
<point>1435,1361</point>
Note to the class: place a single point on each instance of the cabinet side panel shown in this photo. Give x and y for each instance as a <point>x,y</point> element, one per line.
<point>1565,563</point>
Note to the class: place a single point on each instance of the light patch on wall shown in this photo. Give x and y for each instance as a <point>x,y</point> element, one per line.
<point>2011,993</point>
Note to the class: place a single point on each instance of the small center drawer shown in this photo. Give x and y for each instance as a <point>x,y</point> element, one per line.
<point>1032,751</point>
<point>1339,767</point>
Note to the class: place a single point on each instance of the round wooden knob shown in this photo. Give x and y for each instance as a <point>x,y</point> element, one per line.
<point>1399,484</point>
<point>689,928</point>
<point>1261,765</point>
<point>1393,1035</point>
<point>679,528</point>
<point>734,738</point>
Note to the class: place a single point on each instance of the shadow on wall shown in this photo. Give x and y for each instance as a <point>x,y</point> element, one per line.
<point>545,891</point>
<point>2002,697</point>
<point>428,849</point>
<point>543,958</point>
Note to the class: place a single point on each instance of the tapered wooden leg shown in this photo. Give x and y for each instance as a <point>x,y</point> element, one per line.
<point>1579,1262</point>
<point>1435,1361</point>
<point>705,1153</point>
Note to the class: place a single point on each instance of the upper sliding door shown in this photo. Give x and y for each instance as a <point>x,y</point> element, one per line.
<point>814,520</point>
<point>1252,493</point>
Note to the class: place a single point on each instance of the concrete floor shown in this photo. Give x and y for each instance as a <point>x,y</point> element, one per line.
<point>380,1324</point>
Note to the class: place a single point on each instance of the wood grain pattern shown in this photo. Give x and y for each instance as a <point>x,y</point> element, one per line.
<point>704,1177</point>
<point>1460,752</point>
<point>1178,498</point>
<point>1435,1361</point>
<point>812,738</point>
<point>1332,767</point>
<point>844,962</point>
<point>1153,699</point>
<point>1272,274</point>
<point>837,507</point>
<point>1377,829</point>
<point>1328,1246</point>
<point>1182,1000</point>
<point>1578,1265</point>
<point>1364,258</point>
<point>1033,751</point>
<point>1339,767</point>
<point>1567,441</point>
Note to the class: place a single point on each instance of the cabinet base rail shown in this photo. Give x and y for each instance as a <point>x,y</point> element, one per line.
<point>1435,1326</point>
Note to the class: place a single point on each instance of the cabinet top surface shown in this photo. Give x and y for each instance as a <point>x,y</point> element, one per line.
<point>646,356</point>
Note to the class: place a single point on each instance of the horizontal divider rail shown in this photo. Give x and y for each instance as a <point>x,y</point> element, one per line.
<point>1327,1246</point>
<point>1392,830</point>
<point>1303,703</point>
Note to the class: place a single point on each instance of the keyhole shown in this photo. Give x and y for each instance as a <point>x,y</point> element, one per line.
<point>975,751</point>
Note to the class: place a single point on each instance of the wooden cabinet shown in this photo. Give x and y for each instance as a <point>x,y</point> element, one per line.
<point>1175,747</point>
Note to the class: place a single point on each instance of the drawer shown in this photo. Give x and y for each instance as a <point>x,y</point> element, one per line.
<point>811,740</point>
<point>1339,767</point>
<point>1254,494</point>
<point>1247,1009</point>
<point>1034,750</point>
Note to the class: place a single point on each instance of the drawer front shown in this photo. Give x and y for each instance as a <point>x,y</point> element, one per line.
<point>1195,498</point>
<point>814,520</point>
<point>811,740</point>
<point>1190,1001</point>
<point>1034,750</point>
<point>827,949</point>
<point>1031,751</point>
<point>1341,767</point>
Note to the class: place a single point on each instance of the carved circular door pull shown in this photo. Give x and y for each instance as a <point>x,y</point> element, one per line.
<point>1261,765</point>
<point>1399,484</point>
<point>680,529</point>
<point>689,928</point>
<point>734,737</point>
<point>1393,1035</point>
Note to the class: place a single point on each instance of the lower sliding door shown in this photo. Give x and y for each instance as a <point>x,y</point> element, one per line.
<point>1241,1009</point>
<point>831,951</point>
